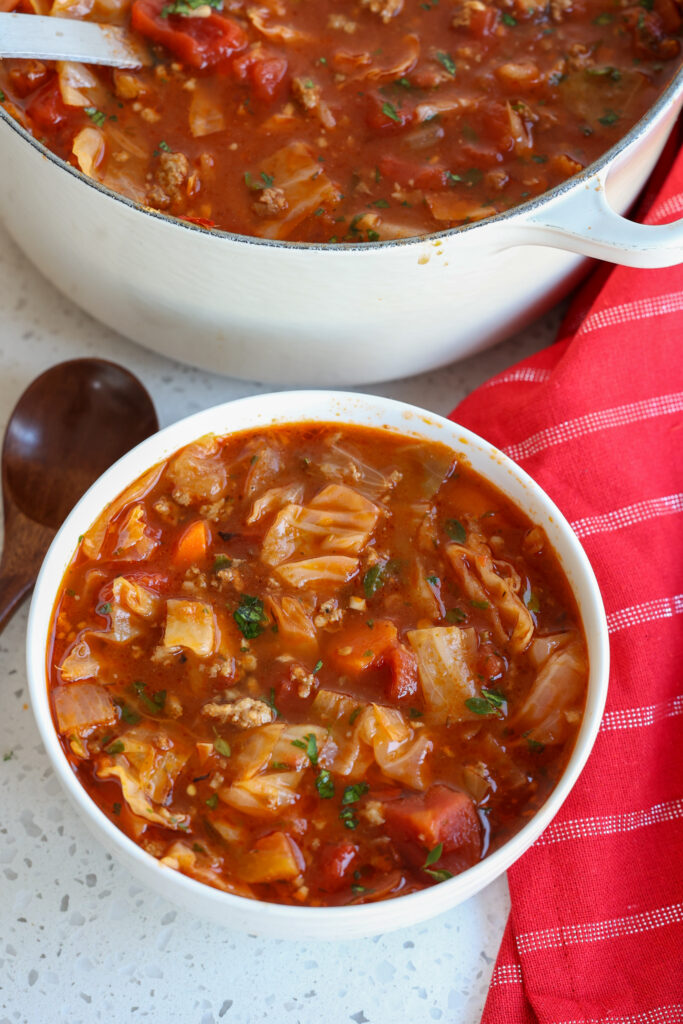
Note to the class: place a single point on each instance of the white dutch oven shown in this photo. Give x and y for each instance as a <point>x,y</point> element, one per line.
<point>294,407</point>
<point>298,313</point>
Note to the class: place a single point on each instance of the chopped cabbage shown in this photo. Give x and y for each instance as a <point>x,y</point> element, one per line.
<point>190,624</point>
<point>82,707</point>
<point>445,657</point>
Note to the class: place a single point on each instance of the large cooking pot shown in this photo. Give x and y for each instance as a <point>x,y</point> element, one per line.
<point>297,313</point>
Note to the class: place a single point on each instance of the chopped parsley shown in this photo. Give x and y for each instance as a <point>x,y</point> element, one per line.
<point>317,667</point>
<point>352,794</point>
<point>480,604</point>
<point>116,808</point>
<point>222,746</point>
<point>447,62</point>
<point>95,115</point>
<point>325,784</point>
<point>349,818</point>
<point>434,580</point>
<point>609,118</point>
<point>381,203</point>
<point>2,96</point>
<point>154,702</point>
<point>183,8</point>
<point>507,19</point>
<point>455,530</point>
<point>354,715</point>
<point>357,888</point>
<point>127,713</point>
<point>455,615</point>
<point>539,158</point>
<point>250,616</point>
<point>116,747</point>
<point>433,855</point>
<point>534,745</point>
<point>104,609</point>
<point>8,755</point>
<point>438,874</point>
<point>415,713</point>
<point>389,110</point>
<point>265,182</point>
<point>165,146</point>
<point>212,801</point>
<point>605,72</point>
<point>374,579</point>
<point>308,744</point>
<point>491,702</point>
<point>270,701</point>
<point>221,562</point>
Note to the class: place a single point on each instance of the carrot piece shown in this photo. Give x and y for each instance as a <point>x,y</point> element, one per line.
<point>204,751</point>
<point>360,646</point>
<point>193,545</point>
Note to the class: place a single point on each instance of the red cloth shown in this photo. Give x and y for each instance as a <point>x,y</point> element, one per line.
<point>596,927</point>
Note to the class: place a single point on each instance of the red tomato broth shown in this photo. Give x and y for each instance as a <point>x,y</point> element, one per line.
<point>378,119</point>
<point>380,788</point>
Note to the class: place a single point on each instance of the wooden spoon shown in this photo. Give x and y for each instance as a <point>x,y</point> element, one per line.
<point>70,424</point>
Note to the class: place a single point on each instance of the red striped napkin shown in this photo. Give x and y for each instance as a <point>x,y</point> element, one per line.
<point>596,927</point>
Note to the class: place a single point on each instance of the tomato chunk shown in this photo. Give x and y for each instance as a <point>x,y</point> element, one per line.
<point>264,70</point>
<point>419,822</point>
<point>193,545</point>
<point>414,174</point>
<point>334,865</point>
<point>401,663</point>
<point>47,109</point>
<point>199,42</point>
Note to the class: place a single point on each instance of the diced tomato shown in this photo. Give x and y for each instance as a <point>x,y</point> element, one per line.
<point>483,22</point>
<point>264,70</point>
<point>669,14</point>
<point>193,544</point>
<point>199,42</point>
<point>26,75</point>
<point>419,822</point>
<point>360,646</point>
<point>386,117</point>
<point>401,663</point>
<point>288,699</point>
<point>47,109</point>
<point>413,174</point>
<point>334,864</point>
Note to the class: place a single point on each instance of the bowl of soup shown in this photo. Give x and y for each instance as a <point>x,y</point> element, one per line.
<point>306,190</point>
<point>317,664</point>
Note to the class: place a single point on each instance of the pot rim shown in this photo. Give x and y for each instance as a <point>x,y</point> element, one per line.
<point>262,411</point>
<point>639,129</point>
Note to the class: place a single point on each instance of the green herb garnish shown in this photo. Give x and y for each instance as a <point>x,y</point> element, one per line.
<point>309,744</point>
<point>374,579</point>
<point>325,785</point>
<point>183,8</point>
<point>95,115</point>
<point>491,702</point>
<point>104,609</point>
<point>352,794</point>
<point>212,801</point>
<point>222,746</point>
<point>154,702</point>
<point>609,118</point>
<point>507,19</point>
<point>250,616</point>
<point>349,818</point>
<point>455,530</point>
<point>116,747</point>
<point>390,111</point>
<point>447,62</point>
<point>265,182</point>
<point>433,855</point>
<point>455,615</point>
<point>221,562</point>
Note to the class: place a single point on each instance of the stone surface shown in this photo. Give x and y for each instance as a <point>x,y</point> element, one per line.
<point>80,940</point>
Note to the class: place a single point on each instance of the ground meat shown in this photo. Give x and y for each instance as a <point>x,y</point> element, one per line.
<point>171,173</point>
<point>558,9</point>
<point>305,681</point>
<point>306,92</point>
<point>341,23</point>
<point>245,713</point>
<point>271,202</point>
<point>579,57</point>
<point>126,86</point>
<point>463,13</point>
<point>387,9</point>
<point>372,812</point>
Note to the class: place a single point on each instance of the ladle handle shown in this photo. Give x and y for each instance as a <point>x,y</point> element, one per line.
<point>25,544</point>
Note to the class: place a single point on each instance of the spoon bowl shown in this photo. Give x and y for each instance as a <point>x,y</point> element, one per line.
<point>70,424</point>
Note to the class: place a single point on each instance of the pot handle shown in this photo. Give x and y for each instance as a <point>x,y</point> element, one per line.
<point>582,221</point>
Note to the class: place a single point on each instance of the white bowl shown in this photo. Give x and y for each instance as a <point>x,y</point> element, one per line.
<point>271,919</point>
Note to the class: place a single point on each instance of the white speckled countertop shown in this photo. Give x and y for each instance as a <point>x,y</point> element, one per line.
<point>80,940</point>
